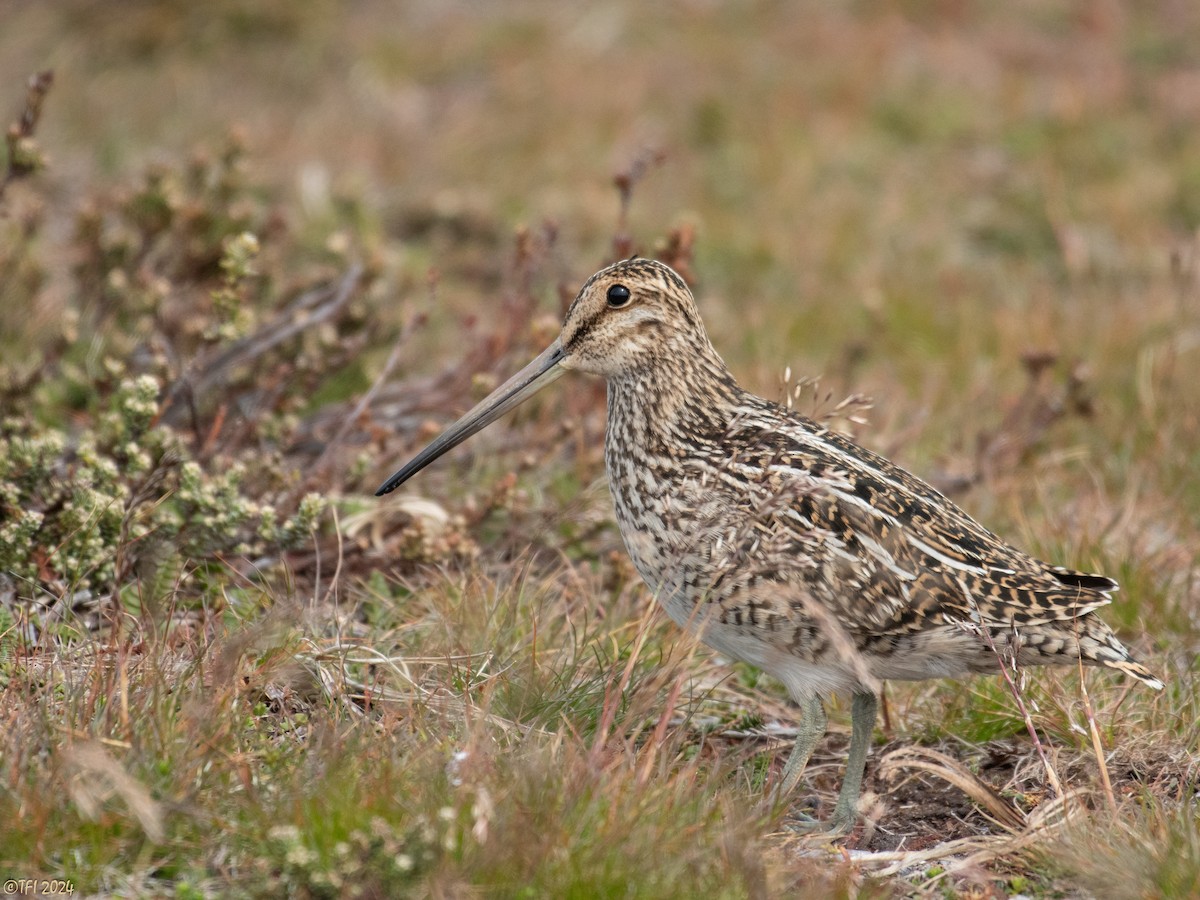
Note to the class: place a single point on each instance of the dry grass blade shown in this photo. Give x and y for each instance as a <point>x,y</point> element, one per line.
<point>894,862</point>
<point>971,852</point>
<point>614,693</point>
<point>959,855</point>
<point>1097,744</point>
<point>953,772</point>
<point>95,777</point>
<point>340,686</point>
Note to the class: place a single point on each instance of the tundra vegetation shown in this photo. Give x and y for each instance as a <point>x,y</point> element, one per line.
<point>252,255</point>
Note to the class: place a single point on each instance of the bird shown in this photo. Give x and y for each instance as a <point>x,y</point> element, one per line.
<point>783,543</point>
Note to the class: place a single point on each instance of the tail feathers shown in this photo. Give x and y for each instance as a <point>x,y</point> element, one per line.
<point>1087,638</point>
<point>1137,670</point>
<point>1084,579</point>
<point>1112,654</point>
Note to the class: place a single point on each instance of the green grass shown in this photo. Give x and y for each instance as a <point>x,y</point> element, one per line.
<point>211,686</point>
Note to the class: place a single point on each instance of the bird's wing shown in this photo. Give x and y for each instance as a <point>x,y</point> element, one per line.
<point>902,555</point>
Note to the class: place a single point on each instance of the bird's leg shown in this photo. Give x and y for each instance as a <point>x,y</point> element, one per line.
<point>811,730</point>
<point>862,720</point>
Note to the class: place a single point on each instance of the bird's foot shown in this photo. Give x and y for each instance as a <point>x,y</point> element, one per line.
<point>839,826</point>
<point>803,823</point>
<point>843,821</point>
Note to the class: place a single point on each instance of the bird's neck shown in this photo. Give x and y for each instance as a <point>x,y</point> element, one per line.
<point>666,407</point>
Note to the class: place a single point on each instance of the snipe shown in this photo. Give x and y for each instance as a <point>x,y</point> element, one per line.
<point>784,544</point>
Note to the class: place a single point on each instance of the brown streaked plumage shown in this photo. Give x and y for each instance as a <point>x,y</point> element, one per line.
<point>787,545</point>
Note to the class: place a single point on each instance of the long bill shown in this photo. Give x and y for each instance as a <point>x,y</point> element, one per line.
<point>531,379</point>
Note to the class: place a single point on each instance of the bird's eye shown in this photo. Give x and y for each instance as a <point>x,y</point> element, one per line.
<point>618,295</point>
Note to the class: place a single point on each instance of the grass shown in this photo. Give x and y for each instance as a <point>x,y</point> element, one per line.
<point>251,259</point>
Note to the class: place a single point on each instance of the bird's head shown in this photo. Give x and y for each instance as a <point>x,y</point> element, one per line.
<point>631,317</point>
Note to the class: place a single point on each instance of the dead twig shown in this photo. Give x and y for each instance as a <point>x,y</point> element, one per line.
<point>23,154</point>
<point>1015,690</point>
<point>625,181</point>
<point>307,311</point>
<point>365,401</point>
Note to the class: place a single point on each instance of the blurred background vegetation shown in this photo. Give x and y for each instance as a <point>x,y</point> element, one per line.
<point>270,247</point>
